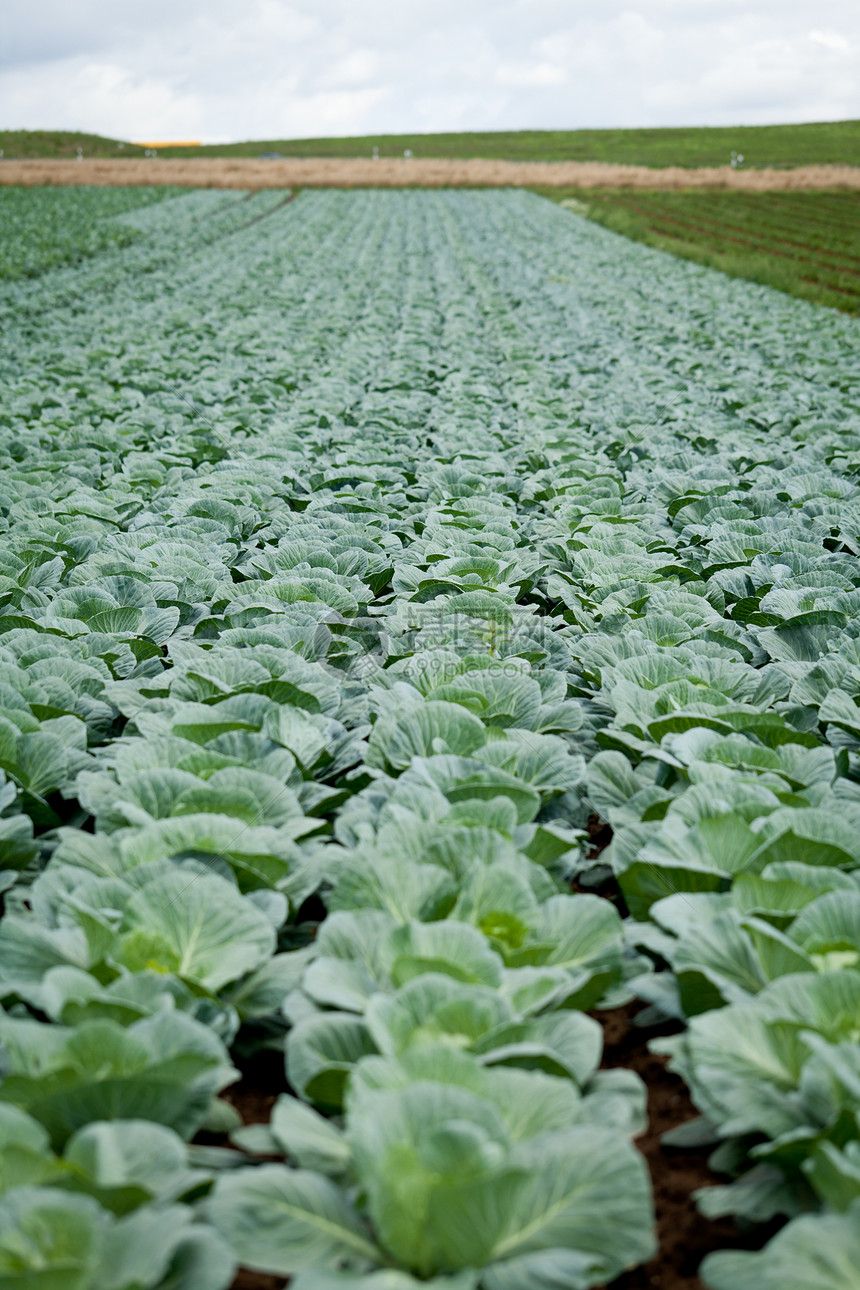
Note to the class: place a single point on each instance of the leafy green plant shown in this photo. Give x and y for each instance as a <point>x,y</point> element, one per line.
<point>494,1177</point>
<point>341,620</point>
<point>166,1068</point>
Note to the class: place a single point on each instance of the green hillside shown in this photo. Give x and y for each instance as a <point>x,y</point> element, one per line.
<point>769,145</point>
<point>35,144</point>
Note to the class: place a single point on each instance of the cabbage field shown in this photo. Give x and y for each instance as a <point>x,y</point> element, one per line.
<point>371,561</point>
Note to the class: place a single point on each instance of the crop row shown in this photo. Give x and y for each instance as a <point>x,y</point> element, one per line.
<point>824,222</point>
<point>802,243</point>
<point>355,552</point>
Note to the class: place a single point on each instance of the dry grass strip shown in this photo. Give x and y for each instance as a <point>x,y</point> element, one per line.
<point>325,172</point>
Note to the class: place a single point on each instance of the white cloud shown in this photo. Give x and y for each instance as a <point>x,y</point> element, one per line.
<point>356,68</point>
<point>530,74</point>
<point>221,69</point>
<point>831,40</point>
<point>744,80</point>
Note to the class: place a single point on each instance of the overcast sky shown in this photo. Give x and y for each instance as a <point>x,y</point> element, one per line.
<point>219,70</point>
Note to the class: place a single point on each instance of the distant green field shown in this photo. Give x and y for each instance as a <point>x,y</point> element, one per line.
<point>807,244</point>
<point>41,228</point>
<point>770,145</point>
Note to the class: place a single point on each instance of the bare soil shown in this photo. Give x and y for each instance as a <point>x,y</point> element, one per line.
<point>245,1279</point>
<point>387,172</point>
<point>684,1236</point>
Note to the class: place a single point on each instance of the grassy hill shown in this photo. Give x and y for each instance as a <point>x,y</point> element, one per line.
<point>765,145</point>
<point>35,144</point>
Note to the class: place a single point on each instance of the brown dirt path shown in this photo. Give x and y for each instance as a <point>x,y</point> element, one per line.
<point>357,172</point>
